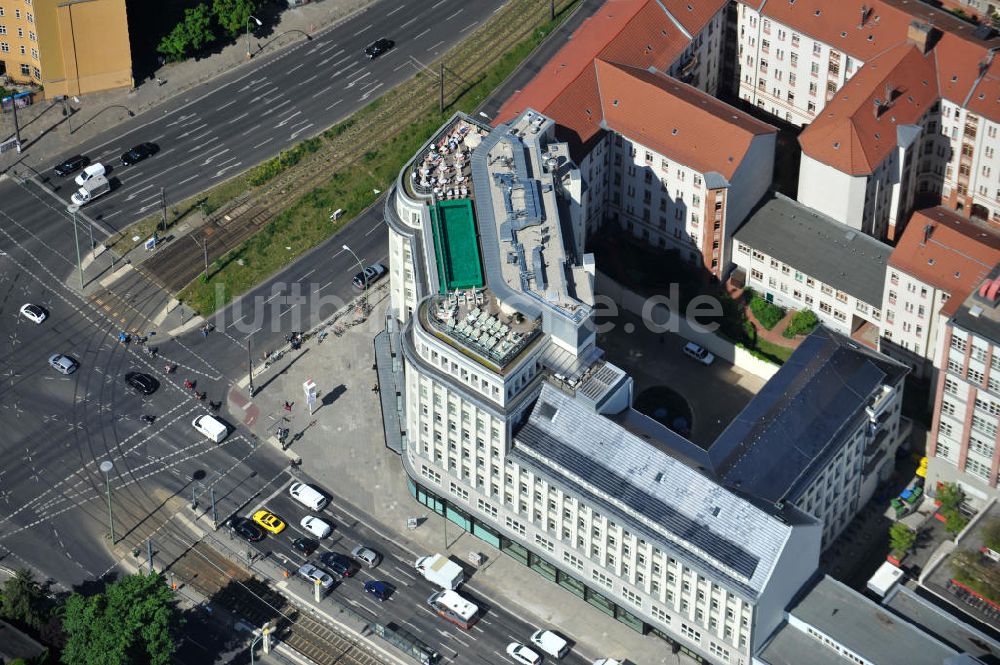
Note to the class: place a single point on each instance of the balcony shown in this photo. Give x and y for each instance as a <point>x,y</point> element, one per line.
<point>877,407</point>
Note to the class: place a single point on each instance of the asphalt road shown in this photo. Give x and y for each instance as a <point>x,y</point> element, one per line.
<point>53,506</point>
<point>252,113</point>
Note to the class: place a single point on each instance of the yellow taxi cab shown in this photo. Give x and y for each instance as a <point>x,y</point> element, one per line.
<point>269,521</point>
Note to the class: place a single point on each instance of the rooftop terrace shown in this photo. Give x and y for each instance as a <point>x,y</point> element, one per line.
<point>441,170</point>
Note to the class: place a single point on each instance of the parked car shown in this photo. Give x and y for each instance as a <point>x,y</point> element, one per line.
<point>63,364</point>
<point>142,383</point>
<point>91,171</point>
<point>33,312</point>
<point>305,545</point>
<point>246,530</point>
<point>379,589</point>
<point>269,521</point>
<point>366,555</point>
<point>550,643</point>
<point>314,574</point>
<point>369,276</point>
<point>71,165</point>
<point>316,526</point>
<point>699,353</point>
<point>338,564</point>
<point>139,153</point>
<point>378,47</point>
<point>522,654</point>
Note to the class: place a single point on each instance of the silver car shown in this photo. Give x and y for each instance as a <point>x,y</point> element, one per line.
<point>63,364</point>
<point>366,555</point>
<point>314,574</point>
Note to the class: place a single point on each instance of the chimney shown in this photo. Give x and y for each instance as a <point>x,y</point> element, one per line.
<point>864,16</point>
<point>928,230</point>
<point>889,96</point>
<point>877,107</point>
<point>919,34</point>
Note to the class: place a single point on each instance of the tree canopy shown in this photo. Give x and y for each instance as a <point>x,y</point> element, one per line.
<point>233,15</point>
<point>190,35</point>
<point>135,621</point>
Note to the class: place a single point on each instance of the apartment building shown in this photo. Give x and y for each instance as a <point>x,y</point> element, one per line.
<point>800,259</point>
<point>941,253</point>
<point>511,423</point>
<point>891,137</point>
<point>963,447</point>
<point>69,48</point>
<point>682,177</point>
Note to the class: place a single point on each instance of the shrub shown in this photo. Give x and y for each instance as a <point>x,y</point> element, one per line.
<point>802,323</point>
<point>901,537</point>
<point>768,314</point>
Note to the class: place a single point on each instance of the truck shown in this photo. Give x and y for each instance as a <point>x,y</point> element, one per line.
<point>440,570</point>
<point>95,186</point>
<point>452,606</point>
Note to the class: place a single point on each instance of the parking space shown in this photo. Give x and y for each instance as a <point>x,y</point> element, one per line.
<point>715,393</point>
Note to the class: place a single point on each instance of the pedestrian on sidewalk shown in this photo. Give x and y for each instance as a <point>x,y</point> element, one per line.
<point>288,407</point>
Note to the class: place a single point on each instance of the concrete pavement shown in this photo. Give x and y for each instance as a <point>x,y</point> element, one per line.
<point>342,445</point>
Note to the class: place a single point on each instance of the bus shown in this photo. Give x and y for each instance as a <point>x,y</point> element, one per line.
<point>453,607</point>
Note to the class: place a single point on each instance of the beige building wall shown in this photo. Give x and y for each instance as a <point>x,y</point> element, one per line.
<point>69,47</point>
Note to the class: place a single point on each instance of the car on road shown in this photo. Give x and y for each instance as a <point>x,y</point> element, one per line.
<point>211,427</point>
<point>338,564</point>
<point>316,526</point>
<point>141,383</point>
<point>378,47</point>
<point>91,171</point>
<point>550,643</point>
<point>246,530</point>
<point>71,165</point>
<point>699,353</point>
<point>269,521</point>
<point>369,276</point>
<point>314,574</point>
<point>63,364</point>
<point>366,555</point>
<point>305,545</point>
<point>380,590</point>
<point>139,153</point>
<point>33,312</point>
<point>522,654</point>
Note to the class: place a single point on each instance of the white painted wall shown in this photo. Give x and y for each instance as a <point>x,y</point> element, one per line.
<point>832,192</point>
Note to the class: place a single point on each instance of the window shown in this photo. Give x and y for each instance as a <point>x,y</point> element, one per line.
<point>25,69</point>
<point>3,29</point>
<point>4,47</point>
<point>977,468</point>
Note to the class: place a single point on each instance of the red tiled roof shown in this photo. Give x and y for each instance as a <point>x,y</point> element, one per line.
<point>959,52</point>
<point>956,257</point>
<point>985,98</point>
<point>848,134</point>
<point>689,125</point>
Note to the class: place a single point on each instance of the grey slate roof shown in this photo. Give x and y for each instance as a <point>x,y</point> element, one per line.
<point>864,627</point>
<point>819,246</point>
<point>653,492</point>
<point>943,626</point>
<point>977,315</point>
<point>784,436</point>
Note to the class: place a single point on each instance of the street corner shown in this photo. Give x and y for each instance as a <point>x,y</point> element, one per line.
<point>242,407</point>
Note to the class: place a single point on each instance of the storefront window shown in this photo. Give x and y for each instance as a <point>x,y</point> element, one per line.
<point>600,602</point>
<point>430,500</point>
<point>487,534</point>
<point>573,585</point>
<point>459,518</point>
<point>630,620</point>
<point>516,551</point>
<point>544,568</point>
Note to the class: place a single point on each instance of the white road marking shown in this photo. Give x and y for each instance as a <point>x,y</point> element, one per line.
<point>438,4</point>
<point>227,104</point>
<point>455,14</point>
<point>299,131</point>
<point>436,45</point>
<point>263,143</point>
<point>275,107</point>
<point>366,28</point>
<point>395,10</point>
<point>252,129</point>
<point>332,46</point>
<point>412,20</point>
<point>355,81</point>
<point>317,94</point>
<point>285,121</point>
<point>334,104</point>
<point>422,34</point>
<point>471,25</point>
<point>298,66</point>
<point>239,117</point>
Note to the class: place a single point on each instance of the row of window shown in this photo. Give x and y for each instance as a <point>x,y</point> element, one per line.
<point>5,48</point>
<point>20,32</point>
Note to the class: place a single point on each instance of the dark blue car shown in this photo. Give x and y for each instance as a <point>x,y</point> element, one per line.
<point>380,590</point>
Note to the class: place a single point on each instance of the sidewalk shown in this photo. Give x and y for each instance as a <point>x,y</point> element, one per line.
<point>45,132</point>
<point>347,426</point>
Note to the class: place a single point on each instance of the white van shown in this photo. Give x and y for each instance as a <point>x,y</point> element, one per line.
<point>91,171</point>
<point>550,643</point>
<point>211,427</point>
<point>308,496</point>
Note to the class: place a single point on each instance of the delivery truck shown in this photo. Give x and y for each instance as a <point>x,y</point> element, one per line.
<point>95,186</point>
<point>440,570</point>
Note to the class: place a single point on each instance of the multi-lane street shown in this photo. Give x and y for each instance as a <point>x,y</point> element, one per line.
<point>59,429</point>
<point>252,113</point>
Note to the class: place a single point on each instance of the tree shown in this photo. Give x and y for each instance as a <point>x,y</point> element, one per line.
<point>23,600</point>
<point>135,621</point>
<point>190,35</point>
<point>232,15</point>
<point>901,537</point>
<point>950,496</point>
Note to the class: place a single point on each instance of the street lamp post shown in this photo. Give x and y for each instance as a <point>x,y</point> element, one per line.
<point>250,364</point>
<point>106,467</point>
<point>76,239</point>
<point>258,22</point>
<point>363,276</point>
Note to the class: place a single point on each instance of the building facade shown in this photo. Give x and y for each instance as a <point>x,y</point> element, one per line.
<point>800,259</point>
<point>940,254</point>
<point>69,48</point>
<point>963,447</point>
